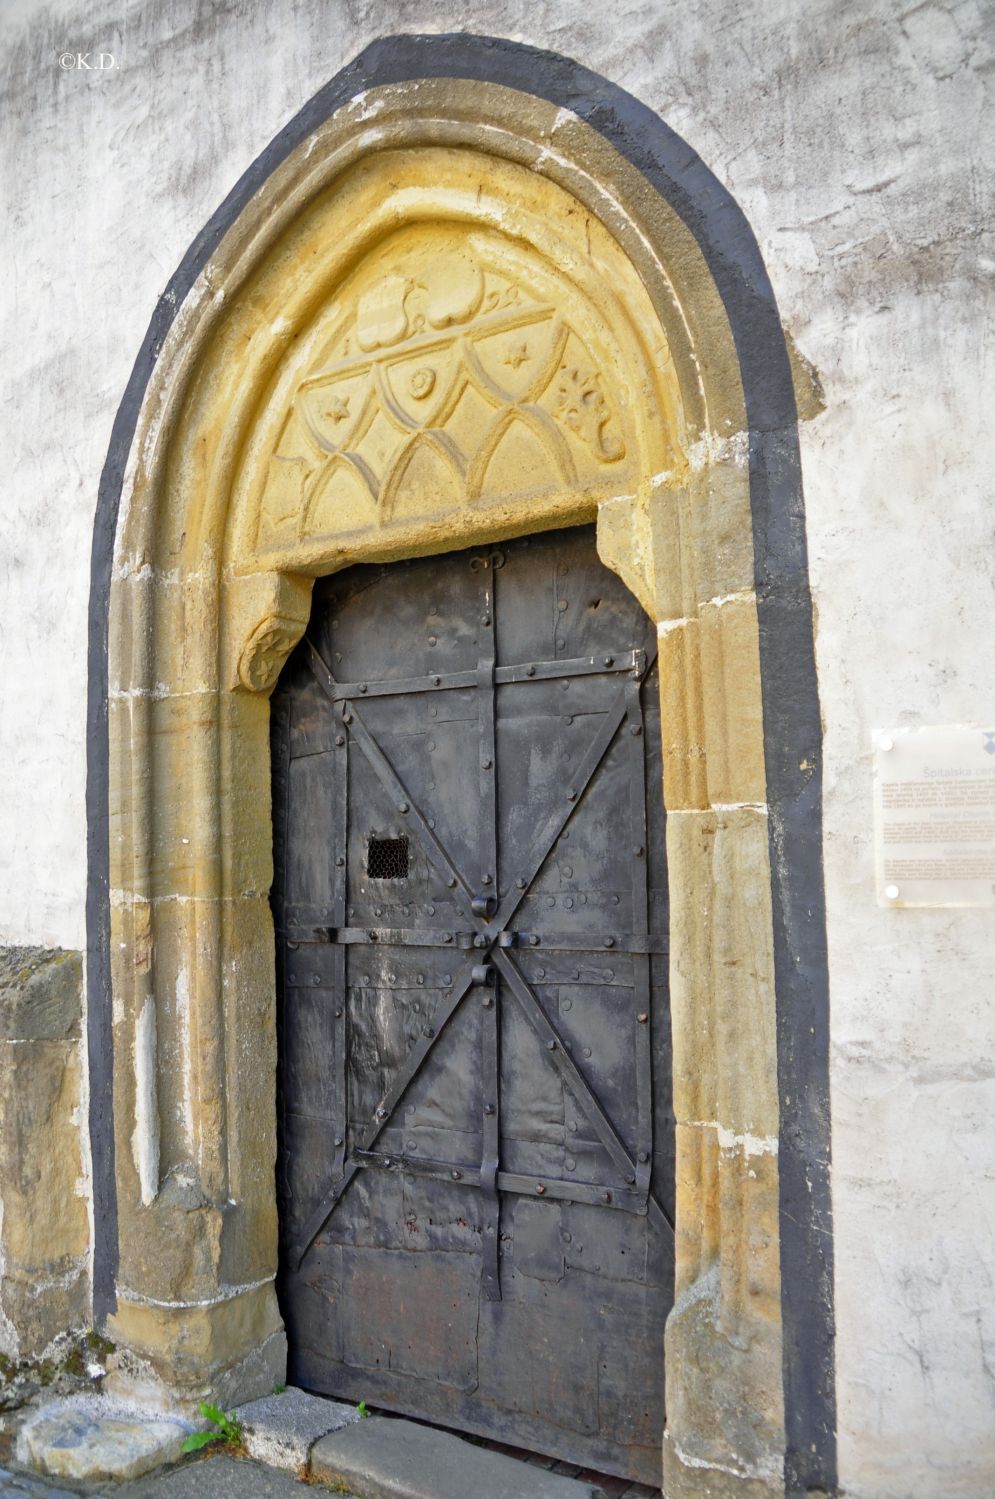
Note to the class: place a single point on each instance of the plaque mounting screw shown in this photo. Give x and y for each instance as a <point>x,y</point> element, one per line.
<point>642,1017</point>
<point>891,891</point>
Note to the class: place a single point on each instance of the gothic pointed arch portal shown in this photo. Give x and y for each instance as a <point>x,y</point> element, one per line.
<point>442,311</point>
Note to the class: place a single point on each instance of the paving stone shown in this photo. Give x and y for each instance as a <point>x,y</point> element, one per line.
<point>98,1439</point>
<point>21,1486</point>
<point>221,1477</point>
<point>282,1429</point>
<point>381,1458</point>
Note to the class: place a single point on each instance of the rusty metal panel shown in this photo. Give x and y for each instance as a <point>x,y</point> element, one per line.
<point>477,1154</point>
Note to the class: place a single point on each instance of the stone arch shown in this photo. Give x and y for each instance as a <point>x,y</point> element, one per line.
<point>227,491</point>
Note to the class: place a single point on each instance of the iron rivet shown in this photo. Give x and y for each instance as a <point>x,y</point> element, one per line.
<point>292,945</point>
<point>338,1014</point>
<point>540,973</point>
<point>635,728</point>
<point>486,764</point>
<point>540,1188</point>
<point>609,660</point>
<point>436,681</point>
<point>568,718</point>
<point>387,1161</point>
<point>567,871</point>
<point>520,883</point>
<point>530,671</point>
<point>402,806</point>
<point>451,882</point>
<point>609,942</point>
<point>316,978</point>
<point>550,1045</point>
<point>560,643</point>
<point>365,979</point>
<point>340,740</point>
<point>338,1139</point>
<point>485,619</point>
<point>533,940</point>
<point>486,879</point>
<point>571,795</point>
<point>432,640</point>
<point>644,1156</point>
<point>362,686</point>
<point>587,1051</point>
<point>372,933</point>
<point>420,979</point>
<point>429,910</point>
<point>566,1004</point>
<point>430,821</point>
<point>487,1001</point>
<point>488,1109</point>
<point>606,1197</point>
<point>447,936</point>
<point>561,604</point>
<point>570,1163</point>
<point>347,718</point>
<point>447,978</point>
<point>429,1031</point>
<point>339,862</point>
<point>629,1178</point>
<point>638,851</point>
<point>642,1017</point>
<point>479,940</point>
<point>457,1175</point>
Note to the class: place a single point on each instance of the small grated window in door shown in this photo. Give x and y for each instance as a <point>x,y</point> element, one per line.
<point>387,859</point>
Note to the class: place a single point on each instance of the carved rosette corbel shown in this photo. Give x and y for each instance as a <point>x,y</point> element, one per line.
<point>271,611</point>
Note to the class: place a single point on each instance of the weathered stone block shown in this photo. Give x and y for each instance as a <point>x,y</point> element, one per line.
<point>193,1347</point>
<point>732,711</point>
<point>40,993</point>
<point>44,1231</point>
<point>282,1429</point>
<point>388,1459</point>
<point>94,1440</point>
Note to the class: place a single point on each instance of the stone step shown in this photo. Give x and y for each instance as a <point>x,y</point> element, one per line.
<point>384,1458</point>
<point>282,1429</point>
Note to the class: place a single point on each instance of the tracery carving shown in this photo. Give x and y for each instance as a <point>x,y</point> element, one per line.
<point>448,381</point>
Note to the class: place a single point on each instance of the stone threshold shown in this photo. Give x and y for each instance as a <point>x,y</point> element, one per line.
<point>103,1449</point>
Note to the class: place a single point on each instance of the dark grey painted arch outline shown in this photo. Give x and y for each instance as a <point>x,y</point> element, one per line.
<point>792,729</point>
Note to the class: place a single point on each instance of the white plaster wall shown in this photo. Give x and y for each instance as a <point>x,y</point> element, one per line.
<point>854,136</point>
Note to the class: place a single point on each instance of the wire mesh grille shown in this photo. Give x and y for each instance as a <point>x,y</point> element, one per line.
<point>387,859</point>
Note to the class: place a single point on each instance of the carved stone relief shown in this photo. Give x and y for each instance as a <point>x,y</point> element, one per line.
<point>455,376</point>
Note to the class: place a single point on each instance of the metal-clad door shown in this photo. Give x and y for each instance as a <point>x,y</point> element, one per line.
<point>476,1156</point>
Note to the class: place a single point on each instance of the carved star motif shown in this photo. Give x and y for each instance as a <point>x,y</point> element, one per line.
<point>339,409</point>
<point>518,356</point>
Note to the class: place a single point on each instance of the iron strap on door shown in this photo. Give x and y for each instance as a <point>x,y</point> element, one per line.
<point>490,967</point>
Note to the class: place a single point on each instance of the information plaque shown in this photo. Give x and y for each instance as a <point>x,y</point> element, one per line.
<point>934,816</point>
